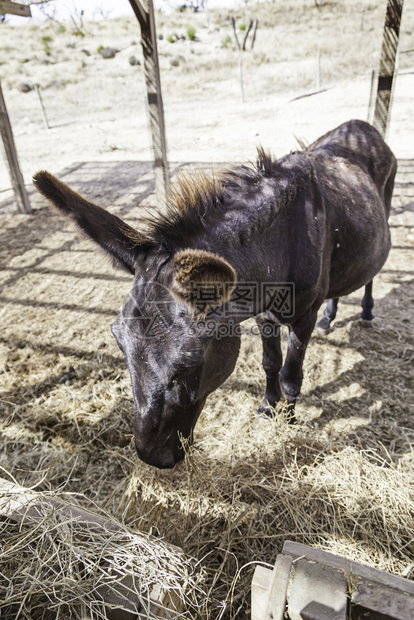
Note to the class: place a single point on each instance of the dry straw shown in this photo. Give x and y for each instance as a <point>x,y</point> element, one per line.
<point>340,480</point>
<point>58,561</point>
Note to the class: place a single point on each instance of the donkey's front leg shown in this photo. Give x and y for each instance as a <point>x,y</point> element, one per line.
<point>291,374</point>
<point>272,361</point>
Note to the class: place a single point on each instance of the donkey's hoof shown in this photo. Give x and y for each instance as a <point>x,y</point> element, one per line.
<point>266,410</point>
<point>290,417</point>
<point>366,323</point>
<point>322,331</point>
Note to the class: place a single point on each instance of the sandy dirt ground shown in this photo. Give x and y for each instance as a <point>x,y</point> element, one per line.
<point>66,398</point>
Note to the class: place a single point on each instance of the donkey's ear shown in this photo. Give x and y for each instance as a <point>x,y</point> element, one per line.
<point>119,240</point>
<point>202,279</point>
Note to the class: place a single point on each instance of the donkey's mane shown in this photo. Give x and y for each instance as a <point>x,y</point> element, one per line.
<point>197,199</point>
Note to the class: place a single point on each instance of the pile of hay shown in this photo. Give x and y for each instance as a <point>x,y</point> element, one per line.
<point>57,560</point>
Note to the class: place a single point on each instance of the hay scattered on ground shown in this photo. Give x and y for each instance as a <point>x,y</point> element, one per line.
<point>341,480</point>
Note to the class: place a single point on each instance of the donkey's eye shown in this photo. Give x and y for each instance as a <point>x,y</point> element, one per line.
<point>177,378</point>
<point>180,376</point>
<point>173,382</point>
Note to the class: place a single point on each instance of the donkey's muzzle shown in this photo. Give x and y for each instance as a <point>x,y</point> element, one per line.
<point>164,458</point>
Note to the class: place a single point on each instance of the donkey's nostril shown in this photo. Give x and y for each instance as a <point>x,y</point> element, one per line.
<point>167,460</point>
<point>163,458</point>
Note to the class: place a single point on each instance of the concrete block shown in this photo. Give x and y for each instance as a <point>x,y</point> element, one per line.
<point>317,593</point>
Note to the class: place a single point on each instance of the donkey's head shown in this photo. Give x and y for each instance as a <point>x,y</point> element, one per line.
<point>175,359</point>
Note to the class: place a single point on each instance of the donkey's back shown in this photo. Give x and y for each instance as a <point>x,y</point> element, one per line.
<point>362,145</point>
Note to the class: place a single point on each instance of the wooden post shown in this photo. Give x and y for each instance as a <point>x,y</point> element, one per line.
<point>371,101</point>
<point>387,65</point>
<point>246,34</point>
<point>22,199</point>
<point>239,49</point>
<point>233,23</point>
<point>318,71</point>
<point>255,24</point>
<point>15,8</point>
<point>155,106</point>
<point>42,107</point>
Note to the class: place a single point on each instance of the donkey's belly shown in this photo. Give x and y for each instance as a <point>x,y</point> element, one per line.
<point>349,275</point>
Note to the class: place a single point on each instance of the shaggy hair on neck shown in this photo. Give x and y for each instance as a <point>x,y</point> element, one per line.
<point>197,199</point>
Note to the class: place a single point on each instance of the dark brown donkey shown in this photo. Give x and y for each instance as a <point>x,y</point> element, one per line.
<point>271,243</point>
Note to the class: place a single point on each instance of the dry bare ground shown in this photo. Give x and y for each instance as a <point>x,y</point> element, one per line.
<point>342,478</point>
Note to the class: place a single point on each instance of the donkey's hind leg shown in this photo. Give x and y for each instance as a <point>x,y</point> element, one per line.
<point>324,325</point>
<point>367,305</point>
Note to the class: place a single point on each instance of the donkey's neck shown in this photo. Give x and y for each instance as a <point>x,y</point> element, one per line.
<point>229,214</point>
<point>243,220</point>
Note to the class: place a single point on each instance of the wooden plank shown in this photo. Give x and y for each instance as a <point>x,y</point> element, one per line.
<point>367,573</point>
<point>156,111</point>
<point>15,9</point>
<point>154,96</point>
<point>388,603</point>
<point>386,76</point>
<point>21,504</point>
<point>25,506</point>
<point>275,609</point>
<point>166,605</point>
<point>269,589</point>
<point>16,177</point>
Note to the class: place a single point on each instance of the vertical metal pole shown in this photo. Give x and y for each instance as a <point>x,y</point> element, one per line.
<point>387,65</point>
<point>22,199</point>
<point>155,105</point>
